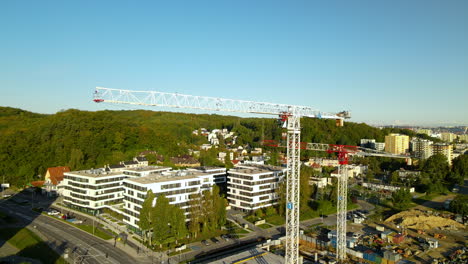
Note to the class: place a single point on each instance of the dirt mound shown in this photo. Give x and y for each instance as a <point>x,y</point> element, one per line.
<point>416,219</point>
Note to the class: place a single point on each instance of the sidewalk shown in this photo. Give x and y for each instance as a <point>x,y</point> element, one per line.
<point>140,253</point>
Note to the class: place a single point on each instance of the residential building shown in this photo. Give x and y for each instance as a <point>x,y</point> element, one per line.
<point>93,190</point>
<point>448,137</point>
<point>396,143</point>
<point>463,138</point>
<point>177,186</point>
<point>445,149</point>
<point>380,146</point>
<point>367,143</point>
<point>421,148</point>
<point>251,187</point>
<point>219,173</point>
<point>325,162</point>
<point>144,171</point>
<point>372,144</point>
<point>53,180</point>
<point>321,182</point>
<point>424,131</point>
<point>185,161</point>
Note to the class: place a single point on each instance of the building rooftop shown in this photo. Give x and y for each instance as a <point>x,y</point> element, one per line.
<point>252,256</point>
<point>148,168</point>
<point>95,173</point>
<point>260,167</point>
<point>168,176</point>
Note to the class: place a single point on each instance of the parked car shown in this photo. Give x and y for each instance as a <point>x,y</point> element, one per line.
<point>53,212</point>
<point>206,243</point>
<point>225,237</point>
<point>214,240</point>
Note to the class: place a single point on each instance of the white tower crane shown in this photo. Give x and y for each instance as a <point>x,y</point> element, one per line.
<point>289,114</point>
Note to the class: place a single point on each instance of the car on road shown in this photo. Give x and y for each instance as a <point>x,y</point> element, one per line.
<point>53,212</point>
<point>206,243</point>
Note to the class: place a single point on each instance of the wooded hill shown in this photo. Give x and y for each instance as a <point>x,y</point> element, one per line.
<point>31,142</point>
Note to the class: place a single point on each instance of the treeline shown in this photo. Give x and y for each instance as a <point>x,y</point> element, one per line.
<point>165,224</point>
<point>30,142</point>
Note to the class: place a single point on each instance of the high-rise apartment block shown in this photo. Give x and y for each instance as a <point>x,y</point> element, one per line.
<point>421,148</point>
<point>445,149</point>
<point>448,137</point>
<point>396,143</point>
<point>254,186</point>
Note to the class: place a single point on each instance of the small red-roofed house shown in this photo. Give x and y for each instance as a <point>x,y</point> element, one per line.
<point>53,180</point>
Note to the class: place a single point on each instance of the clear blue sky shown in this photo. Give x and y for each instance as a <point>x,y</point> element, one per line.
<point>382,60</point>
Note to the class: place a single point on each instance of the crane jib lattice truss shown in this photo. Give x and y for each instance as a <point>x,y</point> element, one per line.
<point>290,115</point>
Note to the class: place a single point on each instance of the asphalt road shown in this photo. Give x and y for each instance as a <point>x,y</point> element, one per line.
<point>81,246</point>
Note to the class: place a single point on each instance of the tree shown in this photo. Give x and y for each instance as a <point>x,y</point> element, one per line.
<point>177,222</point>
<point>401,199</point>
<point>459,170</point>
<point>76,159</point>
<point>146,217</point>
<point>459,205</point>
<point>305,188</point>
<point>281,194</point>
<point>195,214</point>
<point>160,221</point>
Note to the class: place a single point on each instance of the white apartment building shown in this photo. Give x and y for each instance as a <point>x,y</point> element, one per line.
<point>251,187</point>
<point>219,173</point>
<point>92,190</point>
<point>177,186</point>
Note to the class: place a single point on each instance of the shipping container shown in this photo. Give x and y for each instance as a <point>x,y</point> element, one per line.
<point>384,261</point>
<point>378,259</point>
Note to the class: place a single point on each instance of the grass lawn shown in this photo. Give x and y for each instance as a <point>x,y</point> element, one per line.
<point>97,232</point>
<point>264,226</point>
<point>30,245</point>
<point>179,252</point>
<point>87,228</point>
<point>276,220</point>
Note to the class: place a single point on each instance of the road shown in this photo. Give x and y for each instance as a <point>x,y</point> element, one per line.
<point>61,236</point>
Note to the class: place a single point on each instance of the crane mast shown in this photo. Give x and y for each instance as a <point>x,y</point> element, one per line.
<point>289,114</point>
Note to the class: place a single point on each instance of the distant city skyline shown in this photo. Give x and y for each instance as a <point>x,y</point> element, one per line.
<point>389,63</point>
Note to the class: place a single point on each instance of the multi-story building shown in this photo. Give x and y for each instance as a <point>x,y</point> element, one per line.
<point>463,138</point>
<point>371,143</point>
<point>367,143</point>
<point>177,186</point>
<point>424,131</point>
<point>445,149</point>
<point>251,187</point>
<point>421,148</point>
<point>92,190</point>
<point>448,137</point>
<point>219,173</point>
<point>396,143</point>
<point>380,146</point>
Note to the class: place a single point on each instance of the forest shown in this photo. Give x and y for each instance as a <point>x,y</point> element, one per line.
<point>31,142</point>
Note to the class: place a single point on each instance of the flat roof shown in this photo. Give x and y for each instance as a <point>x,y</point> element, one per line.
<point>261,167</point>
<point>168,176</point>
<point>147,168</point>
<point>252,256</point>
<point>96,173</point>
